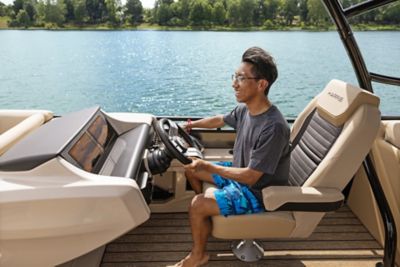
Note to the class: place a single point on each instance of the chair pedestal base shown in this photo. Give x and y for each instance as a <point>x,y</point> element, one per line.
<point>247,250</point>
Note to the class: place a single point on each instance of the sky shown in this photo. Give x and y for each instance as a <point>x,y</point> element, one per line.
<point>145,3</point>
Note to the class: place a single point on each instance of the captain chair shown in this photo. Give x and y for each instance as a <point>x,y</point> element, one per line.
<point>330,139</point>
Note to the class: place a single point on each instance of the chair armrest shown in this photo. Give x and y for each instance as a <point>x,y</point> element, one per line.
<point>293,198</point>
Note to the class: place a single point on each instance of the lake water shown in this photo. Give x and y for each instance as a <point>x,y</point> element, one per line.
<point>177,73</point>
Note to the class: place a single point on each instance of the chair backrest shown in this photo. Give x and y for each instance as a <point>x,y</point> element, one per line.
<point>333,135</point>
<point>386,159</point>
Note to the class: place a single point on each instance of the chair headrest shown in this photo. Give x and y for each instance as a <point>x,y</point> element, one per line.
<point>392,133</point>
<point>338,101</point>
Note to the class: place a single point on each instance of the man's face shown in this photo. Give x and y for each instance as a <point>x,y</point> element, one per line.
<point>245,84</point>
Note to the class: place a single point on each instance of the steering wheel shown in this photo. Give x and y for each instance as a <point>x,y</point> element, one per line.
<point>176,140</point>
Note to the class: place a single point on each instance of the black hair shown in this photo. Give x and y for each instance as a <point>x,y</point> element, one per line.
<point>263,65</point>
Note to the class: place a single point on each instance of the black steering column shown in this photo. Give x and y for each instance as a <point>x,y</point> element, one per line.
<point>176,143</point>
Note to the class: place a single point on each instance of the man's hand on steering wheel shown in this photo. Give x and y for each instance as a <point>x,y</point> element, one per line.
<point>187,126</point>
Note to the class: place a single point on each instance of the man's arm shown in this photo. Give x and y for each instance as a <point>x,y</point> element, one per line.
<point>242,175</point>
<point>210,122</point>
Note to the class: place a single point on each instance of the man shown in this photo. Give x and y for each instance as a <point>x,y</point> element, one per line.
<point>260,158</point>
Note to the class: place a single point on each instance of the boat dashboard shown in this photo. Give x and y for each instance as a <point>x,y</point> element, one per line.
<point>129,145</point>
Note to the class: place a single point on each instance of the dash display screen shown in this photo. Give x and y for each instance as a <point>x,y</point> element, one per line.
<point>91,145</point>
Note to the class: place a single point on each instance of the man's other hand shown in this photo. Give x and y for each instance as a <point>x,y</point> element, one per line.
<point>197,165</point>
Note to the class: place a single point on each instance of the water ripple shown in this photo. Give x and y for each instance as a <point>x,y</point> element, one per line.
<point>174,73</point>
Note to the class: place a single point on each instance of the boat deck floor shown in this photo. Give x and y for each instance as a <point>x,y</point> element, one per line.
<point>339,240</point>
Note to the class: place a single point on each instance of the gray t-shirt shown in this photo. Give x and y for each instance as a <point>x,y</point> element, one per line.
<point>262,144</point>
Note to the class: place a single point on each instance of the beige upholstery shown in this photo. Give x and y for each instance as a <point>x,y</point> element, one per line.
<point>386,159</point>
<point>342,105</point>
<point>11,117</point>
<point>15,124</point>
<point>280,224</point>
<point>276,196</point>
<point>392,133</point>
<point>338,101</point>
<point>271,225</point>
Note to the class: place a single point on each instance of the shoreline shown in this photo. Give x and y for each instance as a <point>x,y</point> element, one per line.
<point>153,27</point>
<point>190,30</point>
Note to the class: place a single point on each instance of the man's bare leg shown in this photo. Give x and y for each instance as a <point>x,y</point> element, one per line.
<point>197,178</point>
<point>201,209</point>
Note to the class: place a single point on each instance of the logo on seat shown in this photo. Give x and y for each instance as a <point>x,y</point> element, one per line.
<point>336,96</point>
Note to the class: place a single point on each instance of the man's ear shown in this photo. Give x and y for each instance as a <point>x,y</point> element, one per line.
<point>262,84</point>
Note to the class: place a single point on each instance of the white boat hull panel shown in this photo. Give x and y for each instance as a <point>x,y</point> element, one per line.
<point>57,212</point>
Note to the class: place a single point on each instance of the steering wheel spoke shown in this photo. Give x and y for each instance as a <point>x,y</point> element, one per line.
<point>177,142</point>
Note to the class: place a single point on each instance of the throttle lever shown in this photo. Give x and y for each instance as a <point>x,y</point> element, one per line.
<point>193,152</point>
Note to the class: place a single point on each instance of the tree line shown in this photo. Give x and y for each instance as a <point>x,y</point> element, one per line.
<point>26,13</point>
<point>268,14</point>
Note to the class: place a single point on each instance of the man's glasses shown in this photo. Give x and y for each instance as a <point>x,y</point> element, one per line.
<point>241,78</point>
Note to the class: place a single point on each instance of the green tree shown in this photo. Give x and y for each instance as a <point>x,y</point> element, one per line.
<point>368,17</point>
<point>80,13</point>
<point>9,11</point>
<point>391,14</point>
<point>112,9</point>
<point>91,9</point>
<point>270,9</point>
<point>348,3</point>
<point>70,14</point>
<point>303,10</point>
<point>246,9</point>
<point>185,10</point>
<point>40,7</point>
<point>176,10</point>
<point>168,2</point>
<point>54,12</point>
<point>289,10</point>
<point>219,13</point>
<point>258,16</point>
<point>17,5</point>
<point>96,10</point>
<point>148,15</point>
<point>316,12</point>
<point>265,10</point>
<point>154,11</point>
<point>134,11</point>
<point>233,13</point>
<point>30,9</point>
<point>200,12</point>
<point>164,14</point>
<point>23,18</point>
<point>2,9</point>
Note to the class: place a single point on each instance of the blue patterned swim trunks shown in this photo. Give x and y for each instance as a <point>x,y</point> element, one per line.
<point>234,198</point>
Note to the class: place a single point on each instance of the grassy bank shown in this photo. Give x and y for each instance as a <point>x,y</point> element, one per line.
<point>155,27</point>
<point>3,22</point>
